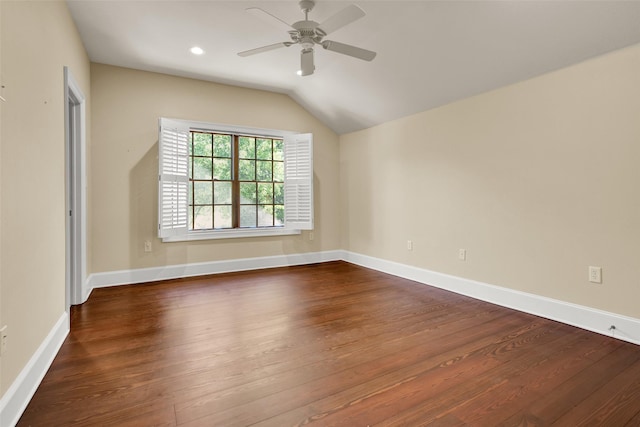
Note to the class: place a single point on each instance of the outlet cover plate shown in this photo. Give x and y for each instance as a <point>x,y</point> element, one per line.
<point>595,274</point>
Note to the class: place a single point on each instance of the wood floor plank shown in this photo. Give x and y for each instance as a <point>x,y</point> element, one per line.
<point>614,404</point>
<point>326,344</point>
<point>588,378</point>
<point>432,404</point>
<point>345,357</point>
<point>314,384</point>
<point>538,373</point>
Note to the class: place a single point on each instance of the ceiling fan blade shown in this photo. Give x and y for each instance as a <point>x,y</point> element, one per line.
<point>264,48</point>
<point>306,62</point>
<point>342,18</point>
<point>267,17</point>
<point>347,49</point>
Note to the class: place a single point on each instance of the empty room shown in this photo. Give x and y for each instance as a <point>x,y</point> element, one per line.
<point>335,213</point>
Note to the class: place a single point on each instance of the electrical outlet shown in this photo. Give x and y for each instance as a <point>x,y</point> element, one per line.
<point>3,340</point>
<point>462,254</point>
<point>409,245</point>
<point>311,236</point>
<point>147,246</point>
<point>595,274</point>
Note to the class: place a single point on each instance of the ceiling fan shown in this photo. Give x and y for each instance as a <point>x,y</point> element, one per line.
<point>309,33</point>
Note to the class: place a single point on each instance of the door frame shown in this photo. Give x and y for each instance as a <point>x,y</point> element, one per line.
<point>76,192</point>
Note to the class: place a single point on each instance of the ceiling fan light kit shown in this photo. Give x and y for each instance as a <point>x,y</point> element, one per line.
<point>308,33</point>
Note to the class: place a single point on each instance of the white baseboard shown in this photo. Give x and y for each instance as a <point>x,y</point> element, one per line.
<point>17,397</point>
<point>15,400</point>
<point>626,328</point>
<point>126,277</point>
<point>86,291</point>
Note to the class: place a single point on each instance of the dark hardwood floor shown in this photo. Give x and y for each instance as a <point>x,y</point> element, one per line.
<point>327,344</point>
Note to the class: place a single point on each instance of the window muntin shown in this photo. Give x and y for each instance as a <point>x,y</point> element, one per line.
<point>235,181</point>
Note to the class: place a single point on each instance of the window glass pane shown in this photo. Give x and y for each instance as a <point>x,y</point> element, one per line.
<point>247,193</point>
<point>202,193</point>
<point>247,170</point>
<point>248,216</point>
<point>279,214</point>
<point>222,169</point>
<point>222,145</point>
<point>278,194</point>
<point>263,149</point>
<point>190,186</point>
<point>222,216</point>
<point>190,223</point>
<point>265,194</point>
<point>278,149</point>
<point>278,171</point>
<point>265,216</point>
<point>201,144</point>
<point>222,193</point>
<point>202,167</point>
<point>247,147</point>
<point>263,171</point>
<point>203,217</point>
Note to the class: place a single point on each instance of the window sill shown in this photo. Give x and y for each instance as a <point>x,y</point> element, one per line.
<point>232,234</point>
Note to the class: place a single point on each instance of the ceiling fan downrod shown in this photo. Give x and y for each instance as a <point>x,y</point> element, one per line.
<point>306,6</point>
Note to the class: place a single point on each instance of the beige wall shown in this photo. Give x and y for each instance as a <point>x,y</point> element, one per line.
<point>537,181</point>
<point>38,40</point>
<point>126,105</point>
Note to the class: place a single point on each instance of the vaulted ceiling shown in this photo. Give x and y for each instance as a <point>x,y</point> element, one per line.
<point>430,53</point>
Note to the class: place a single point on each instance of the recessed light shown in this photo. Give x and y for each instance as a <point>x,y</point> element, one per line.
<point>196,50</point>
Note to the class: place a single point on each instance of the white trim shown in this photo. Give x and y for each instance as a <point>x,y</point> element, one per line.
<point>86,291</point>
<point>16,399</point>
<point>231,234</point>
<point>239,130</point>
<point>126,277</point>
<point>73,93</point>
<point>591,319</point>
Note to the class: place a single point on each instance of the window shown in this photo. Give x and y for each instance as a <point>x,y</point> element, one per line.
<point>223,181</point>
<point>235,181</point>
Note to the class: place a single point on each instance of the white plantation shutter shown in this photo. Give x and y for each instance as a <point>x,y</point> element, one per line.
<point>298,181</point>
<point>173,143</point>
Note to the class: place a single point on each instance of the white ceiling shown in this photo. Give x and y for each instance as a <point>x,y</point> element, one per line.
<point>430,53</point>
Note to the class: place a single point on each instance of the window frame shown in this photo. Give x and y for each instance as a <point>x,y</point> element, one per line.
<point>300,215</point>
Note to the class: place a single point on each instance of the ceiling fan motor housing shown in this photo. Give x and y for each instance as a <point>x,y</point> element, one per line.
<point>307,33</point>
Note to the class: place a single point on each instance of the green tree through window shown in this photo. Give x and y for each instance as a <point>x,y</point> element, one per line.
<point>235,181</point>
